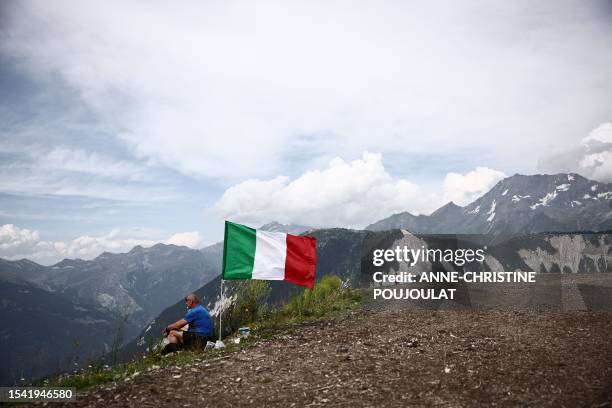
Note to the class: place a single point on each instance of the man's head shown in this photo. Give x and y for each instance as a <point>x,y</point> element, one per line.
<point>191,300</point>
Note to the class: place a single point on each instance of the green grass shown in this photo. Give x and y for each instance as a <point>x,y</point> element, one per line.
<point>328,300</point>
<point>325,301</point>
<point>120,372</point>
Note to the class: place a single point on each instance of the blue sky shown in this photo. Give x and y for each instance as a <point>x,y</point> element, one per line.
<point>123,124</point>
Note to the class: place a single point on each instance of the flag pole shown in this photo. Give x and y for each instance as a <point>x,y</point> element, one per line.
<point>221,307</point>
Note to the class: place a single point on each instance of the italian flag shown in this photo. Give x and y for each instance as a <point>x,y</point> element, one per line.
<point>252,254</point>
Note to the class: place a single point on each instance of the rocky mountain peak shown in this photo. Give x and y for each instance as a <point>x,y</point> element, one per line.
<point>543,190</point>
<point>448,208</point>
<point>293,229</point>
<point>517,205</point>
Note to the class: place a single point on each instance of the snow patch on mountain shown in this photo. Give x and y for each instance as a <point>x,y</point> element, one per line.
<point>491,212</point>
<point>563,187</point>
<point>594,187</point>
<point>493,204</point>
<point>545,200</point>
<point>606,196</point>
<point>475,210</point>
<point>517,198</point>
<point>570,177</point>
<point>505,192</point>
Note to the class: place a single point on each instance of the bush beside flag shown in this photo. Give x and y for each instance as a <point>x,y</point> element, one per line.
<point>252,254</point>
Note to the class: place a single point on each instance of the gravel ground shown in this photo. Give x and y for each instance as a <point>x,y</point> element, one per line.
<point>397,358</point>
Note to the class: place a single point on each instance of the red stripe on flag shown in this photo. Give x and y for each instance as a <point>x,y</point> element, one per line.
<point>301,260</point>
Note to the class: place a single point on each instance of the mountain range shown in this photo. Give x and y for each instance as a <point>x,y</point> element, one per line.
<point>104,302</point>
<point>518,205</point>
<point>116,299</point>
<point>139,283</point>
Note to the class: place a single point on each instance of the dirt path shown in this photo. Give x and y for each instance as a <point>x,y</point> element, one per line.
<point>417,358</point>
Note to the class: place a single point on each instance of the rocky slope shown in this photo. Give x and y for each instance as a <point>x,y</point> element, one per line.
<point>391,359</point>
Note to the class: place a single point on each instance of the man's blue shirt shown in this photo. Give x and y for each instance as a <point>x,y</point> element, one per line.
<point>199,321</point>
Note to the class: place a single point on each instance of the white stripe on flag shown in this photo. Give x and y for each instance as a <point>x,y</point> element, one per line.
<point>270,254</point>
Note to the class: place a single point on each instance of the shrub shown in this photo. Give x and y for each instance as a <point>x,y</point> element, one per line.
<point>328,295</point>
<point>250,303</point>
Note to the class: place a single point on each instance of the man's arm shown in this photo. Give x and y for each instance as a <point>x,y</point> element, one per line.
<point>176,325</point>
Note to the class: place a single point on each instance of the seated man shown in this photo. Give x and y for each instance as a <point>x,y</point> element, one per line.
<point>200,326</point>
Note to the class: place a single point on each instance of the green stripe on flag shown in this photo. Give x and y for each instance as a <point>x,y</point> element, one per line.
<point>238,251</point>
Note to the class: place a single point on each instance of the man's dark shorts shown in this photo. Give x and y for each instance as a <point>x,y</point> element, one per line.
<point>191,339</point>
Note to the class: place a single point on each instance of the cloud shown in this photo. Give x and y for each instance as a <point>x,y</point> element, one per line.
<point>351,194</point>
<point>601,135</point>
<point>37,182</point>
<point>77,160</point>
<point>188,239</point>
<point>597,160</point>
<point>16,240</point>
<point>592,158</point>
<point>66,171</point>
<point>465,188</point>
<point>249,95</point>
<point>236,90</point>
<point>19,243</point>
